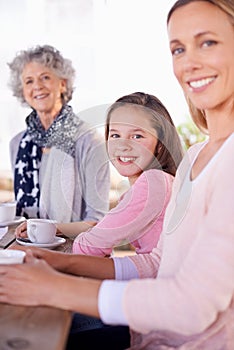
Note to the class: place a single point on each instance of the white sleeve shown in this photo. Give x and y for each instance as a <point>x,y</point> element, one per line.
<point>110,305</point>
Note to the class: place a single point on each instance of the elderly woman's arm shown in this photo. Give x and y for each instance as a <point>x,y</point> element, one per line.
<point>71,229</point>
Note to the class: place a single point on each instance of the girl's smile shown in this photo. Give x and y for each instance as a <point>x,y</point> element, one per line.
<point>127,159</point>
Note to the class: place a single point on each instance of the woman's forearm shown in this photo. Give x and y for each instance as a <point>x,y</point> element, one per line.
<point>77,294</point>
<point>72,229</point>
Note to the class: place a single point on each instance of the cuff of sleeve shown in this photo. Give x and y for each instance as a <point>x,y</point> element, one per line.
<point>125,269</point>
<point>110,302</point>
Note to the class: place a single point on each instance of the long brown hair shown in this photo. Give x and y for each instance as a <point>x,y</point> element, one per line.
<point>168,152</point>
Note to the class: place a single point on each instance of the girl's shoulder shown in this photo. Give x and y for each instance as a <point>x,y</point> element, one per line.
<point>153,177</point>
<point>156,174</point>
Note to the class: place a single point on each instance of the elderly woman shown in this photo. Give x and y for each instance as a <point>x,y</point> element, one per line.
<point>60,164</point>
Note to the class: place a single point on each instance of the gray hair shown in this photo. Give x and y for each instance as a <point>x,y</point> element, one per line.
<point>49,57</point>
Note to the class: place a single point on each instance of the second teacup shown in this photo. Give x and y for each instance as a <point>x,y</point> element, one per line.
<point>7,211</point>
<point>11,256</point>
<point>41,230</point>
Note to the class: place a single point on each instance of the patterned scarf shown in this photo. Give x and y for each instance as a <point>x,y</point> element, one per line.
<point>62,134</point>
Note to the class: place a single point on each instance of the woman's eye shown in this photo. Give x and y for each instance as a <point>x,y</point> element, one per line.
<point>27,82</point>
<point>177,51</point>
<point>46,77</point>
<point>208,43</point>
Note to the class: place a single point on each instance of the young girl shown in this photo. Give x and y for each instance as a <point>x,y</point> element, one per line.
<point>138,130</point>
<point>144,146</point>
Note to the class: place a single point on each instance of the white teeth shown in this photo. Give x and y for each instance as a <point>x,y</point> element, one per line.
<point>127,159</point>
<point>200,83</point>
<point>39,97</point>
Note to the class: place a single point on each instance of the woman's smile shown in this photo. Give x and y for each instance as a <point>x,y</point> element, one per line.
<point>42,90</point>
<point>203,54</point>
<point>200,84</point>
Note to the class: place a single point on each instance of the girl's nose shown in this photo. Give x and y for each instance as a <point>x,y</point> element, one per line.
<point>124,144</point>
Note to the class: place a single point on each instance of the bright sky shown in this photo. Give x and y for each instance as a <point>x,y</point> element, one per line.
<point>133,52</point>
<point>116,46</point>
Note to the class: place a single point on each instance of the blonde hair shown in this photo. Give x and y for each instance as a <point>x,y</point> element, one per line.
<point>226,6</point>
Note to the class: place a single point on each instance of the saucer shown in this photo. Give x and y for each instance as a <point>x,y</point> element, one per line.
<point>17,220</point>
<point>58,241</point>
<point>3,231</point>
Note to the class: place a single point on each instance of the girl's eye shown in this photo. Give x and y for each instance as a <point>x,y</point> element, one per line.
<point>114,136</point>
<point>137,136</point>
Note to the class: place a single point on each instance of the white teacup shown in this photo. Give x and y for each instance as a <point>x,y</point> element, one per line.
<point>41,230</point>
<point>7,211</point>
<point>11,256</point>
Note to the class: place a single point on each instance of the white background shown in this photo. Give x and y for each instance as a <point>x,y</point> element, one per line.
<point>116,46</point>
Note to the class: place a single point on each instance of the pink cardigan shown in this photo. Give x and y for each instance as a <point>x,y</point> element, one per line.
<point>190,305</point>
<point>137,218</point>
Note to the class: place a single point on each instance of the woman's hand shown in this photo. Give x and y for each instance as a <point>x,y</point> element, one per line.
<point>36,283</point>
<point>32,283</point>
<point>57,260</point>
<point>21,230</point>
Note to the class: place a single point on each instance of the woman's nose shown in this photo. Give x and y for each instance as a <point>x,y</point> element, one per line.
<point>37,85</point>
<point>192,61</point>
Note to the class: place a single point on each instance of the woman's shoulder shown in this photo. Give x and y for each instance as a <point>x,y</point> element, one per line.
<point>90,141</point>
<point>88,133</point>
<point>229,141</point>
<point>14,142</point>
<point>14,146</point>
<point>192,151</point>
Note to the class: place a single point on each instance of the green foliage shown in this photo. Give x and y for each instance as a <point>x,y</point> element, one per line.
<point>189,133</point>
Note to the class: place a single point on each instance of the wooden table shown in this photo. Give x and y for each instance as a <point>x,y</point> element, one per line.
<point>33,328</point>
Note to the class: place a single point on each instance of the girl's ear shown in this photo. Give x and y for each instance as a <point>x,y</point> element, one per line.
<point>158,148</point>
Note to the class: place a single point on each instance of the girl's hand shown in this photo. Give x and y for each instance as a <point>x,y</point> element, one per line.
<point>57,260</point>
<point>21,230</point>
